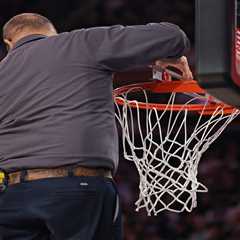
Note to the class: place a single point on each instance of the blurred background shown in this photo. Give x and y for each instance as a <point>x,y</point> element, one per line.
<point>217,216</point>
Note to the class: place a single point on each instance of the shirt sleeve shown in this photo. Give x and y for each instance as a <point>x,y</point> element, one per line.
<point>120,48</point>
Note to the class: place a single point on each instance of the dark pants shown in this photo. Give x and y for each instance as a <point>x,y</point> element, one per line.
<point>69,208</point>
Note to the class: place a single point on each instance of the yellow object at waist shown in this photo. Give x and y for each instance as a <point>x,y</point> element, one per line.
<point>2,177</point>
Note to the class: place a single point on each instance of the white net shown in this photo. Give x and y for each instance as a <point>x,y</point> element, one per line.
<point>166,147</point>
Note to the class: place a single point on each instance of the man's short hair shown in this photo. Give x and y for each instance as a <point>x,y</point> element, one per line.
<point>25,21</point>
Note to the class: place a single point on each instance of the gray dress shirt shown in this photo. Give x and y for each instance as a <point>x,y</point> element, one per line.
<point>56,105</point>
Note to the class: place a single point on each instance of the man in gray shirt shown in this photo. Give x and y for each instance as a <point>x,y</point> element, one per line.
<point>58,139</point>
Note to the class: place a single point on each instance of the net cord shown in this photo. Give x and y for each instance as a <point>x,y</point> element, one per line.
<point>160,181</point>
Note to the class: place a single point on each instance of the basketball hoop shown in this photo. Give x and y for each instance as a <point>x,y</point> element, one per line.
<point>166,139</point>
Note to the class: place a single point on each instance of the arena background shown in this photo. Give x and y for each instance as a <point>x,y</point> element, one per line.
<point>218,214</point>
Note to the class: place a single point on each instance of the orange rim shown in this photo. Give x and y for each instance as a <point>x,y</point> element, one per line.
<point>180,86</point>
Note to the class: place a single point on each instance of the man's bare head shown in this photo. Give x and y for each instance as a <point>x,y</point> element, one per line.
<point>26,24</point>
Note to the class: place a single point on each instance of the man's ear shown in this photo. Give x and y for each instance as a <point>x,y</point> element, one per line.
<point>8,43</point>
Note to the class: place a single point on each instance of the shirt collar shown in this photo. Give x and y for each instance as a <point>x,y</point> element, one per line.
<point>28,39</point>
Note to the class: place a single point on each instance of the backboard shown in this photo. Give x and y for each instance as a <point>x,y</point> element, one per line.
<point>218,48</point>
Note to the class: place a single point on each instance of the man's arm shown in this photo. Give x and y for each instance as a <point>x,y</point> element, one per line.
<point>119,48</point>
<point>179,63</point>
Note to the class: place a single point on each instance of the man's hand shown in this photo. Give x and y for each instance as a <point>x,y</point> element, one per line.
<point>180,64</point>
